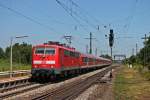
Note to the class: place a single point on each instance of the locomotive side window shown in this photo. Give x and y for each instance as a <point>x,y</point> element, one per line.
<point>66,53</point>
<point>72,54</point>
<point>39,50</point>
<point>50,51</point>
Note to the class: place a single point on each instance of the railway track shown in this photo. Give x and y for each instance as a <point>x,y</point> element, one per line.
<point>71,90</point>
<point>14,87</point>
<point>16,91</point>
<point>66,91</point>
<point>17,86</point>
<point>14,83</point>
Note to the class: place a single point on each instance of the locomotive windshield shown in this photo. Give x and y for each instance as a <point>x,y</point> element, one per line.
<point>48,51</point>
<point>39,50</point>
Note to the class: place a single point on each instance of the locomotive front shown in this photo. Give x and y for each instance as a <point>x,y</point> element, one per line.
<point>44,61</point>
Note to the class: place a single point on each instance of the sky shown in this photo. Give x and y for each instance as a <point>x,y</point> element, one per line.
<point>47,20</point>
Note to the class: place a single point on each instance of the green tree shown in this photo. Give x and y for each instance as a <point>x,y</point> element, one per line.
<point>21,53</point>
<point>132,59</point>
<point>143,57</point>
<point>2,53</point>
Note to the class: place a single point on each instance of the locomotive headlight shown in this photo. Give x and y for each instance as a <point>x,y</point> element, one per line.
<point>35,66</point>
<point>52,66</point>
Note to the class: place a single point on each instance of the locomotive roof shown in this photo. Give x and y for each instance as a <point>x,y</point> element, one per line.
<point>58,46</point>
<point>71,49</point>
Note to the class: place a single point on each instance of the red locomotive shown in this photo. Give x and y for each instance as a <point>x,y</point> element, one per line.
<point>53,58</point>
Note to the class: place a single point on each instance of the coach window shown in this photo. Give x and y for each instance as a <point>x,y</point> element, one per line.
<point>50,51</point>
<point>89,59</point>
<point>84,59</point>
<point>77,55</point>
<point>95,60</point>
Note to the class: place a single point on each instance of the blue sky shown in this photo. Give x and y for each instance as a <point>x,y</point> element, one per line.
<point>128,18</point>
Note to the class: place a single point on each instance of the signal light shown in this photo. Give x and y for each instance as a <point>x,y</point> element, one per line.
<point>111,38</point>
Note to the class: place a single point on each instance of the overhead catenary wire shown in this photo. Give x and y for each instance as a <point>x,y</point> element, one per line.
<point>74,15</point>
<point>70,13</point>
<point>86,14</point>
<point>50,18</point>
<point>130,17</point>
<point>27,17</point>
<point>77,15</point>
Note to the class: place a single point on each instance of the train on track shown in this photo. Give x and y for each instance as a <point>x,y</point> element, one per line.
<point>52,59</point>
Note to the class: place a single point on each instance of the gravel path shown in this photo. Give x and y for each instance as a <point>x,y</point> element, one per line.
<point>101,90</point>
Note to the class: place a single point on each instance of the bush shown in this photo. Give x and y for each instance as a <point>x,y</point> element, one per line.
<point>147,75</point>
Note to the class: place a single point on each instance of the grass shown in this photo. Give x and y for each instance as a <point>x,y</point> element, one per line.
<point>5,66</point>
<point>146,74</point>
<point>143,71</point>
<point>131,85</point>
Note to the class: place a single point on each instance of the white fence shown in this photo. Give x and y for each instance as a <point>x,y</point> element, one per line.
<point>7,73</point>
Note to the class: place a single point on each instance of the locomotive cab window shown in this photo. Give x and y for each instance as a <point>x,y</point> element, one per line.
<point>50,51</point>
<point>39,50</point>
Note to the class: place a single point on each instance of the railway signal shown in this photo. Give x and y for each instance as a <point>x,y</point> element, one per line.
<point>111,40</point>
